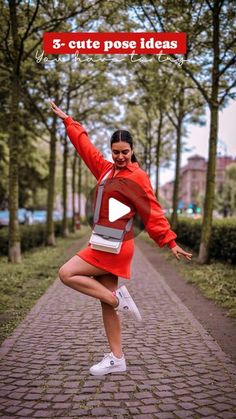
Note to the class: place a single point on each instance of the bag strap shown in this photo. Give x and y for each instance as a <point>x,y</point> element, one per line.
<point>99,197</point>
<point>129,225</point>
<point>99,201</point>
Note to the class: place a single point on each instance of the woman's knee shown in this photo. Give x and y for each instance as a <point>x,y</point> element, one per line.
<point>64,275</point>
<point>67,276</point>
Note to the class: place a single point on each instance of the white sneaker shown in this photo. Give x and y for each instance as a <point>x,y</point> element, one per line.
<point>126,303</point>
<point>109,364</point>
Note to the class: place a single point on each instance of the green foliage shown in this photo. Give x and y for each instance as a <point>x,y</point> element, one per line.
<point>223,237</point>
<point>31,236</point>
<point>226,197</point>
<point>216,281</point>
<point>22,284</point>
<point>4,158</point>
<point>103,94</point>
<point>189,232</point>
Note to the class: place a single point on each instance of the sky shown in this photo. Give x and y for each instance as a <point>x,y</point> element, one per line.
<point>198,139</point>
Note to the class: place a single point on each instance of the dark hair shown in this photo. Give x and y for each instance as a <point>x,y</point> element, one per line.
<point>122,135</point>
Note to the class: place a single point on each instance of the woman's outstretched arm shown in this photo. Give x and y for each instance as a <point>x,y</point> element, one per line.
<point>155,222</point>
<point>79,138</point>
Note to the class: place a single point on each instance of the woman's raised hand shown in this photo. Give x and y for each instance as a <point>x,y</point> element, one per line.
<point>177,251</point>
<point>57,110</point>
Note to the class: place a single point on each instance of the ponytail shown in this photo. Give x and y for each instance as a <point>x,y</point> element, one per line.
<point>134,159</point>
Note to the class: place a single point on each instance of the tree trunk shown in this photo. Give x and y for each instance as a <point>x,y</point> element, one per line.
<point>145,157</point>
<point>73,190</point>
<point>86,181</point>
<point>65,231</point>
<point>203,256</point>
<point>149,147</point>
<point>174,216</point>
<point>14,250</point>
<point>158,148</point>
<point>79,184</point>
<point>50,236</point>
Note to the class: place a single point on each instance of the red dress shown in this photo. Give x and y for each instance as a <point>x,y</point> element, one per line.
<point>141,200</point>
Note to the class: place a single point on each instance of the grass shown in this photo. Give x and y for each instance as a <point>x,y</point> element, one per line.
<point>22,284</point>
<point>216,280</point>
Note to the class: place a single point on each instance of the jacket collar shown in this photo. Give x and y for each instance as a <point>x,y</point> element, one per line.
<point>130,166</point>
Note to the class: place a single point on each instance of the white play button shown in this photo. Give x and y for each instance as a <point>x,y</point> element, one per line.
<point>117,209</point>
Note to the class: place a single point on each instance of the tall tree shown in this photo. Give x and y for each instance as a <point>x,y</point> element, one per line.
<point>209,27</point>
<point>50,235</point>
<point>14,252</point>
<point>226,196</point>
<point>184,108</point>
<point>22,34</point>
<point>79,187</point>
<point>73,188</point>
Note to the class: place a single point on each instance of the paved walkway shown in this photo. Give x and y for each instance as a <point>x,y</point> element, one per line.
<point>175,369</point>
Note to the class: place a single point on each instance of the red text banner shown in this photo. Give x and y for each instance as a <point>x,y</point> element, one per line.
<point>114,43</point>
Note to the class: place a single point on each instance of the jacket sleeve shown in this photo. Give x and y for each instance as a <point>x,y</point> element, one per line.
<point>87,151</point>
<point>153,217</point>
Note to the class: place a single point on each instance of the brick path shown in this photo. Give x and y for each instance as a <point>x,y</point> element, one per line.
<point>175,369</point>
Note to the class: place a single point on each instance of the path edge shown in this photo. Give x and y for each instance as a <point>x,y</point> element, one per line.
<point>211,343</point>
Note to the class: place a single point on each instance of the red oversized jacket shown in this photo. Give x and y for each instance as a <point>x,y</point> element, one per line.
<point>134,189</point>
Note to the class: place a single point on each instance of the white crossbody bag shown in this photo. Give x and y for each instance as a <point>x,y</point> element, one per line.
<point>106,239</point>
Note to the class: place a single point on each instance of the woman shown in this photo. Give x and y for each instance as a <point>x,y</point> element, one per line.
<point>94,272</point>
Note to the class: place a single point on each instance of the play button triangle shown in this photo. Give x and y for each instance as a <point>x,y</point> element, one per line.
<point>117,209</point>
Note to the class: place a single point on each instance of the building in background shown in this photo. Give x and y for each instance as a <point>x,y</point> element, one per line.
<point>193,182</point>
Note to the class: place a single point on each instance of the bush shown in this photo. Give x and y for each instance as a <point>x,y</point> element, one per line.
<point>31,236</point>
<point>223,245</point>
<point>4,241</point>
<point>223,239</point>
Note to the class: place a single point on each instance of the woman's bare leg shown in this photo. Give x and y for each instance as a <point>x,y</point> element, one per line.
<point>111,319</point>
<point>76,274</point>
